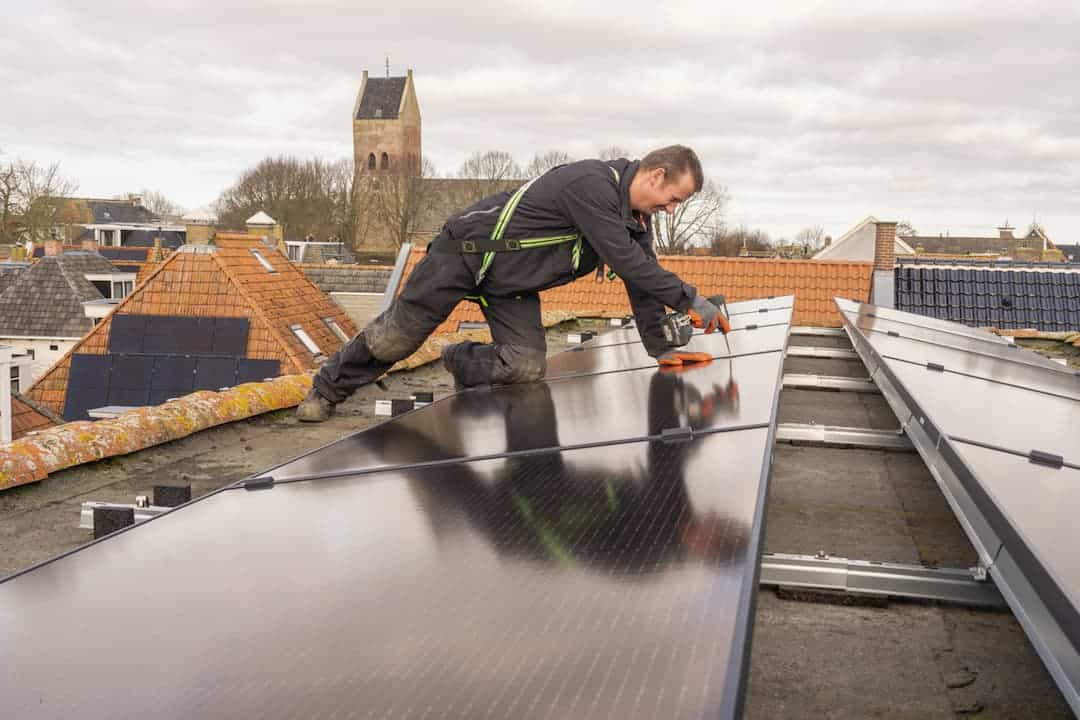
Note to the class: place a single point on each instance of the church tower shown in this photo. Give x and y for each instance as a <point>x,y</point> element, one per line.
<point>386,127</point>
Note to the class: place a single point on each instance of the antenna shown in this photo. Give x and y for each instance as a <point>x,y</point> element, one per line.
<point>387,66</point>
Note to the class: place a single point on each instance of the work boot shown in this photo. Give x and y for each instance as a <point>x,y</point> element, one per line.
<point>314,408</point>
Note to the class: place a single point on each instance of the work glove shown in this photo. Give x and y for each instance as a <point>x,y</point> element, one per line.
<point>703,314</point>
<point>678,358</point>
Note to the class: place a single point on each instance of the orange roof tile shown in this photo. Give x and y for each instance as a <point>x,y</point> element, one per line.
<point>26,418</point>
<point>226,281</point>
<point>814,283</point>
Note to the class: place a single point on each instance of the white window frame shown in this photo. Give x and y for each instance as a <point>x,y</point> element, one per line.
<point>263,261</point>
<point>305,339</point>
<point>336,329</point>
<point>125,281</point>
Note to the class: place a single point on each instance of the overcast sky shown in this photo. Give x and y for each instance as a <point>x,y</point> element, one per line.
<point>952,115</point>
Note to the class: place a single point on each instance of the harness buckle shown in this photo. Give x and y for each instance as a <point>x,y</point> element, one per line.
<point>468,246</point>
<point>512,244</point>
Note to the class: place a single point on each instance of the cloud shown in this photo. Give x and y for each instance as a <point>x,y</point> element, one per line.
<point>950,115</point>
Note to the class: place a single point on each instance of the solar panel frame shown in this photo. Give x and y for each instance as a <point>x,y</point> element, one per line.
<point>1047,612</point>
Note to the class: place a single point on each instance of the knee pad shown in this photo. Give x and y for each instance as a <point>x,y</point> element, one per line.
<point>517,363</point>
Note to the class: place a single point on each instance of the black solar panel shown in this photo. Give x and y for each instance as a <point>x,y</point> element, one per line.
<point>257,370</point>
<point>174,335</point>
<point>88,385</point>
<point>230,336</point>
<point>126,333</point>
<point>175,374</point>
<point>215,373</point>
<point>570,548</point>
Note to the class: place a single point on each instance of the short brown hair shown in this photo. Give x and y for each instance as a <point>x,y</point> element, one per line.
<point>675,160</point>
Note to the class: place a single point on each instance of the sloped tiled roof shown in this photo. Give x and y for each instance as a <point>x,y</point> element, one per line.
<point>27,417</point>
<point>46,299</point>
<point>382,98</point>
<point>348,278</point>
<point>9,271</point>
<point>1040,298</point>
<point>226,280</point>
<point>814,283</point>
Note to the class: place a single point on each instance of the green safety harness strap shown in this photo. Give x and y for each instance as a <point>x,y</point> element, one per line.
<point>498,243</point>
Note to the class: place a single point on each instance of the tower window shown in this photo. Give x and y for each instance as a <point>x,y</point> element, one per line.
<point>371,161</point>
<point>385,161</point>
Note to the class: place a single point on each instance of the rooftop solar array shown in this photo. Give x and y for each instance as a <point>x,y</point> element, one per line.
<point>998,427</point>
<point>137,380</point>
<point>584,546</point>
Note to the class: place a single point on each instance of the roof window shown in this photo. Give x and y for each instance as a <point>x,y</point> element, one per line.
<point>263,261</point>
<point>336,329</point>
<point>303,337</point>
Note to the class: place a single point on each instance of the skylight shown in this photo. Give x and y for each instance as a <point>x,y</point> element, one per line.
<point>303,337</point>
<point>263,261</point>
<point>336,329</point>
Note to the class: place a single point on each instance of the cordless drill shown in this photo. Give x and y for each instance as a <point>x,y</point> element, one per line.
<point>679,327</point>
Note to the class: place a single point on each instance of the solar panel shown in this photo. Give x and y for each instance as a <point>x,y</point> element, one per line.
<point>215,373</point>
<point>577,547</point>
<point>557,586</point>
<point>126,333</point>
<point>1000,436</point>
<point>175,374</point>
<point>587,360</point>
<point>257,370</point>
<point>760,317</point>
<point>88,385</point>
<point>562,414</point>
<point>230,336</point>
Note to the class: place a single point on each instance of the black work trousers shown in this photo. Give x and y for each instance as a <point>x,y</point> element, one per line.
<point>437,284</point>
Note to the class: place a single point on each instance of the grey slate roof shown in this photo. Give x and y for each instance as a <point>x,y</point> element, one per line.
<point>1032,297</point>
<point>119,211</point>
<point>348,279</point>
<point>46,299</point>
<point>9,271</point>
<point>1072,252</point>
<point>382,98</point>
<point>961,245</point>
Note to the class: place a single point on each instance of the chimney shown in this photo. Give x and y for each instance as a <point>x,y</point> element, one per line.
<point>53,247</point>
<point>828,240</point>
<point>1005,232</point>
<point>885,246</point>
<point>90,245</point>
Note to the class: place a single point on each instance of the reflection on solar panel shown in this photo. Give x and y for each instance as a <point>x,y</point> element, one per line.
<point>585,546</point>
<point>137,380</point>
<point>998,429</point>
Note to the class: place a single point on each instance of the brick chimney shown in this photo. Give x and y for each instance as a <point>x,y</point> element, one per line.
<point>885,246</point>
<point>53,247</point>
<point>90,245</point>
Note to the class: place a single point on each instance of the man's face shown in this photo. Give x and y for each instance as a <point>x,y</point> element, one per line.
<point>656,192</point>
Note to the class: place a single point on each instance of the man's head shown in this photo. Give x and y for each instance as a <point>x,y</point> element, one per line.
<point>665,178</point>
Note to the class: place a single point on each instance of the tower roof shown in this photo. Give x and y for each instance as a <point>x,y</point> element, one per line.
<point>382,98</point>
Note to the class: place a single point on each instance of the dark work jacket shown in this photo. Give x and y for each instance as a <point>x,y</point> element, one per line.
<point>580,197</point>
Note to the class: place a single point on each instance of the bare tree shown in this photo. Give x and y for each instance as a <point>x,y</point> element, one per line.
<point>542,162</point>
<point>35,202</point>
<point>693,223</point>
<point>395,205</point>
<point>905,229</point>
<point>307,197</point>
<point>735,241</point>
<point>613,152</point>
<point>491,165</point>
<point>9,227</point>
<point>811,239</point>
<point>487,173</point>
<point>161,206</point>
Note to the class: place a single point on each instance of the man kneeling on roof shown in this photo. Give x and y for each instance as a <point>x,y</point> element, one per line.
<point>501,252</point>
